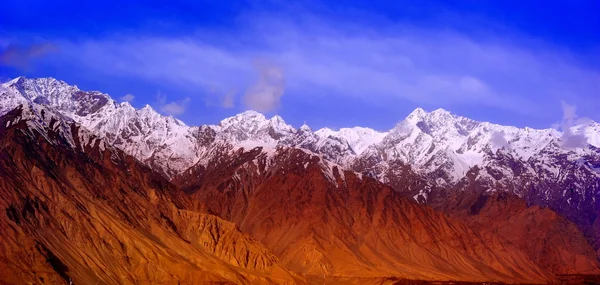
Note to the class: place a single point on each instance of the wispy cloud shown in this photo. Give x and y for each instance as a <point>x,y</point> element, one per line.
<point>265,94</point>
<point>498,139</point>
<point>228,100</point>
<point>172,108</point>
<point>21,56</point>
<point>127,98</point>
<point>570,139</point>
<point>219,98</point>
<point>368,63</point>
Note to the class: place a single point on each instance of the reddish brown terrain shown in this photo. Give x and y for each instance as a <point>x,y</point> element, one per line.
<point>550,240</point>
<point>319,219</point>
<point>74,208</point>
<point>97,216</point>
<point>553,242</point>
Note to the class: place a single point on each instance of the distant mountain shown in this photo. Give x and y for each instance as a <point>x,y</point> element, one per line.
<point>437,143</point>
<point>430,157</point>
<point>75,208</point>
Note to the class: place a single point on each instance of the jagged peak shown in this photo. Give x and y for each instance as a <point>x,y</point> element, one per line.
<point>21,80</point>
<point>14,81</point>
<point>251,114</point>
<point>440,111</point>
<point>126,104</point>
<point>417,114</point>
<point>278,123</point>
<point>325,132</point>
<point>441,114</point>
<point>305,128</point>
<point>277,120</point>
<point>252,121</point>
<point>149,112</point>
<point>146,108</point>
<point>246,116</point>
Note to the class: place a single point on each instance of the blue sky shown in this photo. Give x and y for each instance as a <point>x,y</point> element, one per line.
<point>335,64</point>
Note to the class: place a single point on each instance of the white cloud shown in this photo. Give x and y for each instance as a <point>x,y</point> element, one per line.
<point>265,94</point>
<point>172,108</point>
<point>127,98</point>
<point>499,140</point>
<point>569,112</point>
<point>569,139</point>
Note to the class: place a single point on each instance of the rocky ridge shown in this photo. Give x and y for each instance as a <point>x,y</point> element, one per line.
<point>422,157</point>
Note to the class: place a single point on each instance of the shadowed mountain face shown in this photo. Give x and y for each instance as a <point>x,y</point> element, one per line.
<point>72,208</point>
<point>551,241</point>
<point>319,219</point>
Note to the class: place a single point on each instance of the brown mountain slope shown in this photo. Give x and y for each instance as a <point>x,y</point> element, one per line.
<point>553,242</point>
<point>321,220</point>
<point>99,217</point>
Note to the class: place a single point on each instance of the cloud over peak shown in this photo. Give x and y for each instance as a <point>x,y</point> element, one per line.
<point>265,94</point>
<point>127,98</point>
<point>570,139</point>
<point>171,108</point>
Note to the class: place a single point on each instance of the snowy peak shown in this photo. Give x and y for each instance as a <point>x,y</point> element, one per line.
<point>14,81</point>
<point>441,142</point>
<point>430,142</point>
<point>48,88</point>
<point>305,128</point>
<point>417,115</point>
<point>358,138</point>
<point>254,126</point>
<point>163,142</point>
<point>437,121</point>
<point>246,116</point>
<point>57,94</point>
<point>56,129</point>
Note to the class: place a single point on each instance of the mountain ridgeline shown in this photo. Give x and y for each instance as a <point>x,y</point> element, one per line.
<point>98,192</point>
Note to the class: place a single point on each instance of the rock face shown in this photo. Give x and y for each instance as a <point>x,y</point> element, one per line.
<point>73,209</point>
<point>311,202</point>
<point>564,183</point>
<point>320,219</point>
<point>536,165</point>
<point>163,142</point>
<point>551,241</point>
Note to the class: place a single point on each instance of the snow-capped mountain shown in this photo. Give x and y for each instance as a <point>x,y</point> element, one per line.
<point>251,126</point>
<point>440,142</point>
<point>437,144</point>
<point>163,142</point>
<point>424,152</point>
<point>359,138</point>
<point>40,121</point>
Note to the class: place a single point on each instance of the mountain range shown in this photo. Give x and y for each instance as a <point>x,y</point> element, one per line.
<point>437,197</point>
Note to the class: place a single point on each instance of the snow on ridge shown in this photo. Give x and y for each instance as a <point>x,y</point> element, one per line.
<point>426,140</point>
<point>359,138</point>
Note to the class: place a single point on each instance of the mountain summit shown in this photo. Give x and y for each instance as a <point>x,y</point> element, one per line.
<point>431,142</point>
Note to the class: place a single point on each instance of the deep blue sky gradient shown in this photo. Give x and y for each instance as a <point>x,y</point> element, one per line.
<point>561,27</point>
